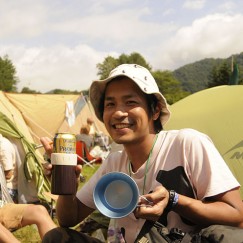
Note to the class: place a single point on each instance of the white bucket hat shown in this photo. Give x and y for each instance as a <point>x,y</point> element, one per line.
<point>141,76</point>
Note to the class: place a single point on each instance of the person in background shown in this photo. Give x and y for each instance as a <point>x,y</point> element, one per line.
<point>86,137</point>
<point>100,139</point>
<point>9,166</point>
<point>91,124</point>
<point>15,216</point>
<point>189,187</point>
<point>12,215</point>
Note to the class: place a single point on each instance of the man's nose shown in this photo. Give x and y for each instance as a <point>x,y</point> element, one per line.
<point>120,112</point>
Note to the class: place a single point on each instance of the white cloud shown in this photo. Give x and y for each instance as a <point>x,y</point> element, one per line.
<point>62,67</point>
<point>217,35</point>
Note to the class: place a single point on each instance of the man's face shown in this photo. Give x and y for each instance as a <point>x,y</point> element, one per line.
<point>126,112</point>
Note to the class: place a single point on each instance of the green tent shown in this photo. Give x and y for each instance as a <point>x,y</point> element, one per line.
<point>218,112</point>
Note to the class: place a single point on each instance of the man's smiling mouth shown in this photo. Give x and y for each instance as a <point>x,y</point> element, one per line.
<point>122,125</point>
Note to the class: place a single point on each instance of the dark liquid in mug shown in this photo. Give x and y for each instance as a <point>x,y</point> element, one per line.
<point>63,180</point>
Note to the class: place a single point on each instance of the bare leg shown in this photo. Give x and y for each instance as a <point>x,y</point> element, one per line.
<point>6,236</point>
<point>37,214</point>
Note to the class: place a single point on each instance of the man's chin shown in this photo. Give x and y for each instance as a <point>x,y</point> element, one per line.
<point>122,140</point>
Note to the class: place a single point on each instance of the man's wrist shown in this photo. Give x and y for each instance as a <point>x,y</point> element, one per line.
<point>173,200</point>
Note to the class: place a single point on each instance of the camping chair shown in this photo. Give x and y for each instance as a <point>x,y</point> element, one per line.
<point>84,157</point>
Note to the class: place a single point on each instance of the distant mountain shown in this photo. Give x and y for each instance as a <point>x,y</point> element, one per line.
<point>194,76</point>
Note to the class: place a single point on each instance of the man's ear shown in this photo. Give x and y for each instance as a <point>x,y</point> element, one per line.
<point>156,112</point>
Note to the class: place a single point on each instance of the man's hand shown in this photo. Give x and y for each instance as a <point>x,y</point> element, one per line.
<point>47,144</point>
<point>47,167</point>
<point>158,201</point>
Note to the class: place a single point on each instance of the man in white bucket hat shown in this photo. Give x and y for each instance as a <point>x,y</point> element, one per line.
<point>183,181</point>
<point>141,76</point>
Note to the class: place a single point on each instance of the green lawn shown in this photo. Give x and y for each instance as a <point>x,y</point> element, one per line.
<point>29,234</point>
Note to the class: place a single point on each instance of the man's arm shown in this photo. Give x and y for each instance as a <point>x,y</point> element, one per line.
<point>6,236</point>
<point>225,208</point>
<point>71,211</point>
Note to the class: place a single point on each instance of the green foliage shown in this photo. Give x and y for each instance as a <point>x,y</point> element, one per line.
<point>62,91</point>
<point>104,68</point>
<point>240,81</point>
<point>8,79</point>
<point>110,63</point>
<point>133,58</point>
<point>196,76</point>
<point>26,90</point>
<point>169,86</point>
<point>219,75</point>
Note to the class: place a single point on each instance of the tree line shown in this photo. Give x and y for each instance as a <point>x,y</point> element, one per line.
<point>168,83</point>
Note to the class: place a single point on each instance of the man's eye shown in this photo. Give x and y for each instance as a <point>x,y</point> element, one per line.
<point>109,104</point>
<point>131,102</point>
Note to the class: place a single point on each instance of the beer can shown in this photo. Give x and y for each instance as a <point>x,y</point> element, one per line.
<point>64,143</point>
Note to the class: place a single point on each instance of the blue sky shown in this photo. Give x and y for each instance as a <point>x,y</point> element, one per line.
<point>57,44</point>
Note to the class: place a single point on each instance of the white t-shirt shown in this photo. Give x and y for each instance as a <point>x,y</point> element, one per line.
<point>186,160</point>
<point>8,160</point>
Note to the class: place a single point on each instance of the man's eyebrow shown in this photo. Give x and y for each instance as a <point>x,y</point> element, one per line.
<point>124,97</point>
<point>109,98</point>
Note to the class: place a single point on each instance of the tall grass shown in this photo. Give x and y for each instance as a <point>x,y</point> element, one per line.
<point>29,234</point>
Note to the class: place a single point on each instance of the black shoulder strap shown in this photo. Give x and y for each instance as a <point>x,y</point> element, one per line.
<point>145,229</point>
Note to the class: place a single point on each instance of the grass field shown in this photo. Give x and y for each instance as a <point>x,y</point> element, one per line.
<point>29,234</point>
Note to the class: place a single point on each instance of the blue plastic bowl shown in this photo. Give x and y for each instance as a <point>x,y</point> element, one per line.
<point>116,195</point>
